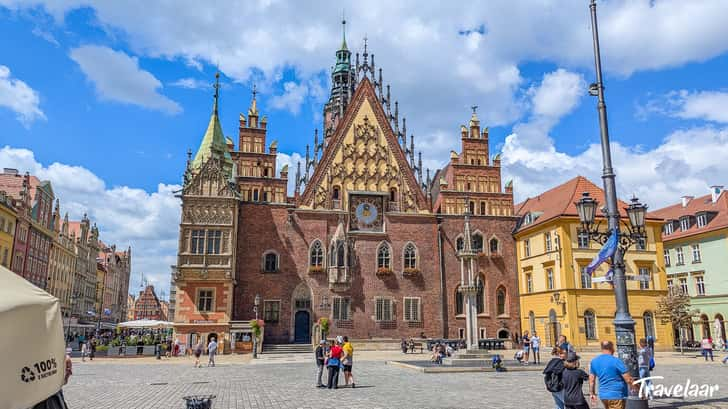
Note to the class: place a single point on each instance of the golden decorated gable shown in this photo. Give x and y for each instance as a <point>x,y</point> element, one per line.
<point>364,158</point>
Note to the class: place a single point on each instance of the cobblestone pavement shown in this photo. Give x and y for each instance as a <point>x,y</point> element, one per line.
<point>108,384</point>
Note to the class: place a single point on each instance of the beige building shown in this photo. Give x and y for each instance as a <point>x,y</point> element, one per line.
<point>62,261</point>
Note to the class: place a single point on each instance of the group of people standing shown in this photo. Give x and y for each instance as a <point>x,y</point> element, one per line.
<point>564,378</point>
<point>530,347</point>
<point>211,352</point>
<point>335,357</point>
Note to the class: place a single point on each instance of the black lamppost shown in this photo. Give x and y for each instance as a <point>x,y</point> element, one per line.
<point>74,299</point>
<point>256,303</point>
<point>623,322</point>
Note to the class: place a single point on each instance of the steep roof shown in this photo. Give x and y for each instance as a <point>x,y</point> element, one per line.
<point>559,201</point>
<point>213,142</point>
<point>718,219</point>
<point>12,184</point>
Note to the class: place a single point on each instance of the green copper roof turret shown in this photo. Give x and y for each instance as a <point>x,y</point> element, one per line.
<point>213,142</point>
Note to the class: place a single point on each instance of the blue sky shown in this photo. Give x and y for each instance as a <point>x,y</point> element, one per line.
<point>104,99</point>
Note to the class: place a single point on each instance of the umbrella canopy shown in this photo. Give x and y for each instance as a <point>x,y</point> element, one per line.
<point>34,361</point>
<point>145,324</point>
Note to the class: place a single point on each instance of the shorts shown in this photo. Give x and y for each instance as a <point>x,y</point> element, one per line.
<point>347,368</point>
<point>614,403</point>
<point>197,354</point>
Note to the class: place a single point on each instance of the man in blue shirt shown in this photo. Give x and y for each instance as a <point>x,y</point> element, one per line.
<point>614,378</point>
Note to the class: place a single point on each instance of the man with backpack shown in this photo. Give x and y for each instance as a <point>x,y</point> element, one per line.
<point>553,376</point>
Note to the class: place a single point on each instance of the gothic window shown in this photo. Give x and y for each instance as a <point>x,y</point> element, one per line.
<point>335,195</point>
<point>393,195</point>
<point>500,296</point>
<point>494,246</point>
<point>316,258</point>
<point>459,244</point>
<point>478,243</point>
<point>197,244</point>
<point>410,256</point>
<point>482,208</point>
<point>480,296</point>
<point>383,257</point>
<point>270,262</point>
<point>338,254</point>
<point>271,310</point>
<point>341,308</point>
<point>213,241</point>
<point>458,301</point>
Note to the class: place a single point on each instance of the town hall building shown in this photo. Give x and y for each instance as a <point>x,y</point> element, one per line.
<point>365,240</point>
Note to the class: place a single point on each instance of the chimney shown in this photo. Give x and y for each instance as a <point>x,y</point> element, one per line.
<point>715,192</point>
<point>10,171</point>
<point>686,200</point>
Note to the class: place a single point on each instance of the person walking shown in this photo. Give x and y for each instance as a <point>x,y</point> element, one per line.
<point>707,346</point>
<point>333,362</point>
<point>320,357</point>
<point>198,352</point>
<point>553,376</point>
<point>526,343</point>
<point>565,345</point>
<point>84,350</point>
<point>348,361</point>
<point>613,376</point>
<point>573,378</point>
<point>92,348</point>
<point>211,352</point>
<point>536,348</point>
<point>644,357</point>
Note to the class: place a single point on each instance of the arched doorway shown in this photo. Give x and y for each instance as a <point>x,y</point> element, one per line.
<point>552,329</point>
<point>705,326</point>
<point>301,319</point>
<point>302,327</point>
<point>719,324</point>
<point>503,334</point>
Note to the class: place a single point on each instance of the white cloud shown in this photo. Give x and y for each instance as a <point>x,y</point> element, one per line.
<point>126,216</point>
<point>191,83</point>
<point>707,105</point>
<point>46,35</point>
<point>19,97</point>
<point>118,77</point>
<point>678,164</point>
<point>291,160</point>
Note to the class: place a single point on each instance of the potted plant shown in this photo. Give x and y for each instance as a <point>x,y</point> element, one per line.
<point>324,323</point>
<point>257,327</point>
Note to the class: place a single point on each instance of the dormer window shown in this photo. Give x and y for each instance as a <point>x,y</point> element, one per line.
<point>667,228</point>
<point>702,219</point>
<point>528,219</point>
<point>684,223</point>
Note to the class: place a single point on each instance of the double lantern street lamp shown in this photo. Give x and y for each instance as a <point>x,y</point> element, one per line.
<point>587,206</point>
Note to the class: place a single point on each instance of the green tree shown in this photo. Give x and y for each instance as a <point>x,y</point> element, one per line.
<point>674,308</point>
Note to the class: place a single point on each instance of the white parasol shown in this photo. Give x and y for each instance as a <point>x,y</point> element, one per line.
<point>145,324</point>
<point>33,365</point>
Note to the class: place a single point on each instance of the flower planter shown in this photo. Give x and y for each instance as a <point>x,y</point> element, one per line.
<point>411,272</point>
<point>384,272</point>
<point>316,270</point>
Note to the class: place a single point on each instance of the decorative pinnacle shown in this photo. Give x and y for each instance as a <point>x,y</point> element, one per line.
<point>474,108</point>
<point>217,90</point>
<point>343,30</point>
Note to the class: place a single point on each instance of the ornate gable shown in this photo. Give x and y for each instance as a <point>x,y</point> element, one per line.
<point>211,180</point>
<point>364,156</point>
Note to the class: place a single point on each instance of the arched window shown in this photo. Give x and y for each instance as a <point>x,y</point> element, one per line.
<point>458,301</point>
<point>494,246</point>
<point>270,262</point>
<point>649,323</point>
<point>500,297</point>
<point>478,243</point>
<point>384,260</point>
<point>706,326</point>
<point>532,322</point>
<point>316,258</point>
<point>503,334</point>
<point>335,195</point>
<point>459,244</point>
<point>393,194</point>
<point>340,254</point>
<point>472,207</point>
<point>590,325</point>
<point>410,256</point>
<point>480,295</point>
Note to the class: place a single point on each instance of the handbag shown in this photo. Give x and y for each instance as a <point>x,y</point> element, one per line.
<point>333,362</point>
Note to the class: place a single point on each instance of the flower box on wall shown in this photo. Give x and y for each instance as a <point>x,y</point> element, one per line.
<point>384,272</point>
<point>316,270</point>
<point>410,272</point>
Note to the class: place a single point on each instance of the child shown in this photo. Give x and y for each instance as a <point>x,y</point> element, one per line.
<point>519,356</point>
<point>573,379</point>
<point>497,363</point>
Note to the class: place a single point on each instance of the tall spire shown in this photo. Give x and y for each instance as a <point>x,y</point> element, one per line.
<point>343,31</point>
<point>217,92</point>
<point>253,104</point>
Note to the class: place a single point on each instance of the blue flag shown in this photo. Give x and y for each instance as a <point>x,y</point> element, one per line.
<point>610,247</point>
<point>107,311</point>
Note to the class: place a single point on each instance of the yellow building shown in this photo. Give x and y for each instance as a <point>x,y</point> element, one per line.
<point>7,229</point>
<point>557,296</point>
<point>62,261</point>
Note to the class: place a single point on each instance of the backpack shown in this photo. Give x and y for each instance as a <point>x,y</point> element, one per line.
<point>553,380</point>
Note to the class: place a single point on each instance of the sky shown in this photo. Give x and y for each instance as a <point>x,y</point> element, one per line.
<point>105,98</point>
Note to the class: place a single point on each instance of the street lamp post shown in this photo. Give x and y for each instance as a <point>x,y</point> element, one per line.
<point>256,303</point>
<point>623,322</point>
<point>74,299</point>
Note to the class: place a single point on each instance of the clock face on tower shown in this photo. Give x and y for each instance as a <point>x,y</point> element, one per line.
<point>366,212</point>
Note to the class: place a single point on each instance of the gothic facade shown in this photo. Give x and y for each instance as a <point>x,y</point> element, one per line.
<point>368,239</point>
